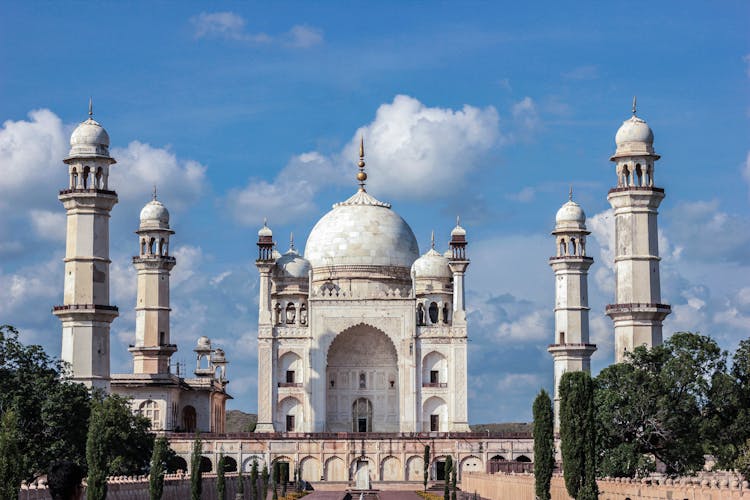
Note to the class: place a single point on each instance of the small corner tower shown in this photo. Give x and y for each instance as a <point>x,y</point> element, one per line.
<point>265,264</point>
<point>571,350</point>
<point>86,314</point>
<point>458,262</point>
<point>638,311</point>
<point>152,349</point>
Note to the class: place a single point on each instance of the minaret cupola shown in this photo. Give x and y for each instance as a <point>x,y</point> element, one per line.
<point>89,160</point>
<point>265,243</point>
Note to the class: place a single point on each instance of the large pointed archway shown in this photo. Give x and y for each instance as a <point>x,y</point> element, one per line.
<point>362,382</point>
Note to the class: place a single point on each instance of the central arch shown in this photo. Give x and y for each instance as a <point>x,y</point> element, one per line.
<point>362,365</point>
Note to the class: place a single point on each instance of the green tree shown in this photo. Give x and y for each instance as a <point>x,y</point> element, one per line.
<point>254,480</point>
<point>426,472</point>
<point>742,463</point>
<point>158,468</point>
<point>578,435</point>
<point>264,481</point>
<point>240,482</point>
<point>10,466</point>
<point>97,453</point>
<point>220,480</point>
<point>544,445</point>
<point>659,402</point>
<point>196,479</point>
<point>454,474</point>
<point>448,470</point>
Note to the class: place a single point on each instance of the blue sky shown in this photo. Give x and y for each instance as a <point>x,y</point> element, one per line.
<point>243,110</point>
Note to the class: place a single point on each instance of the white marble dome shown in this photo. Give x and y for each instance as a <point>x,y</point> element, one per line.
<point>265,230</point>
<point>570,212</point>
<point>361,231</point>
<point>432,265</point>
<point>634,137</point>
<point>203,343</point>
<point>292,265</point>
<point>155,211</point>
<point>89,139</point>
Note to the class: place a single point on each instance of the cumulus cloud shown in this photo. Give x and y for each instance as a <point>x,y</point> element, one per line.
<point>526,118</point>
<point>49,225</point>
<point>231,26</point>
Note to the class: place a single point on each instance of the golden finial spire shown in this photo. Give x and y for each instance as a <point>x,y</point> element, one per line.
<point>634,103</point>
<point>361,175</point>
<point>570,193</point>
<point>432,240</point>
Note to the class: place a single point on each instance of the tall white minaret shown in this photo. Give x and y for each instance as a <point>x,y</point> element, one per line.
<point>637,312</point>
<point>571,350</point>
<point>152,349</point>
<point>86,314</point>
<point>266,387</point>
<point>458,262</point>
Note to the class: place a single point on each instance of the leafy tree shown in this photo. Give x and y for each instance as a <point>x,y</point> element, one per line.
<point>426,472</point>
<point>656,403</point>
<point>220,480</point>
<point>254,480</point>
<point>10,467</point>
<point>52,414</point>
<point>448,469</point>
<point>578,435</point>
<point>97,453</point>
<point>158,468</point>
<point>196,479</point>
<point>544,445</point>
<point>743,461</point>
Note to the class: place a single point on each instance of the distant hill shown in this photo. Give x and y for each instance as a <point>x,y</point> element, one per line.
<point>239,421</point>
<point>504,427</point>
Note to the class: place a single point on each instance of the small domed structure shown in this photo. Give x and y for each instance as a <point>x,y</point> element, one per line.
<point>154,214</point>
<point>634,138</point>
<point>292,265</point>
<point>89,139</point>
<point>458,230</point>
<point>218,356</point>
<point>265,230</point>
<point>203,343</point>
<point>432,265</point>
<point>570,214</point>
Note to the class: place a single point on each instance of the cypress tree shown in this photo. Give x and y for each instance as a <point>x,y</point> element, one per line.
<point>426,471</point>
<point>578,435</point>
<point>454,473</point>
<point>264,482</point>
<point>96,453</point>
<point>240,482</point>
<point>10,457</point>
<point>254,480</point>
<point>158,469</point>
<point>544,445</point>
<point>448,469</point>
<point>220,480</point>
<point>196,480</point>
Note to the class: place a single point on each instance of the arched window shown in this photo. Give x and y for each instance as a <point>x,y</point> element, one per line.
<point>150,410</point>
<point>151,243</point>
<point>362,380</point>
<point>98,178</point>
<point>86,171</point>
<point>433,313</point>
<point>446,313</point>
<point>572,246</point>
<point>626,175</point>
<point>277,314</point>
<point>523,458</point>
<point>74,179</point>
<point>362,415</point>
<point>143,246</point>
<point>563,249</point>
<point>420,314</point>
<point>639,174</point>
<point>161,246</point>
<point>303,314</point>
<point>291,314</point>
<point>582,246</point>
<point>188,419</point>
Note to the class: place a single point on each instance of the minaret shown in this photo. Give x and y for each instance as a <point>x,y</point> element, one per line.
<point>86,314</point>
<point>265,264</point>
<point>152,349</point>
<point>637,312</point>
<point>571,350</point>
<point>458,263</point>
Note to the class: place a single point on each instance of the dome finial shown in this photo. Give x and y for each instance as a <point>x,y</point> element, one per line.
<point>432,240</point>
<point>458,220</point>
<point>570,193</point>
<point>634,104</point>
<point>154,196</point>
<point>91,107</point>
<point>361,175</point>
<point>291,241</point>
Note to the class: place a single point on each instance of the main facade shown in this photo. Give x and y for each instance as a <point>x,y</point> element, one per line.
<point>361,334</point>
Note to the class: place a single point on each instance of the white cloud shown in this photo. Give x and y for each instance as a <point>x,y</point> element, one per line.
<point>49,225</point>
<point>231,26</point>
<point>525,195</point>
<point>188,259</point>
<point>587,72</point>
<point>526,118</point>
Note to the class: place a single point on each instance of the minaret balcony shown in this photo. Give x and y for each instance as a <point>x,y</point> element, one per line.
<point>87,191</point>
<point>572,349</point>
<point>86,310</point>
<point>154,258</point>
<point>638,310</point>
